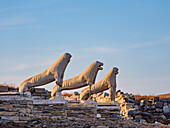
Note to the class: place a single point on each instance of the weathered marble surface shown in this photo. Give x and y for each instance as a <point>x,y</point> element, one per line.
<point>53,73</point>
<point>86,78</point>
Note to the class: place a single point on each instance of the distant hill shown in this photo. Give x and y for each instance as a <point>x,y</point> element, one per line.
<point>164,95</point>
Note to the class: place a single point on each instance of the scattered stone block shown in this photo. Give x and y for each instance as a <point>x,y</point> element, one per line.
<point>156,99</point>
<point>3,89</point>
<point>159,110</point>
<point>159,104</point>
<point>8,113</point>
<point>2,109</point>
<point>133,112</point>
<point>167,100</point>
<point>10,118</point>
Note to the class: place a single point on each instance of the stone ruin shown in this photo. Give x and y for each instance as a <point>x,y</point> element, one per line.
<point>158,108</point>
<point>5,88</point>
<point>150,111</point>
<point>36,105</point>
<point>31,104</point>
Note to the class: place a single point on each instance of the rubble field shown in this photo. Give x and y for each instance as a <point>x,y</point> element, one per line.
<point>34,109</point>
<point>70,123</point>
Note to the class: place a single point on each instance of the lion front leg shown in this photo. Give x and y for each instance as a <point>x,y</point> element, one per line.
<point>58,80</point>
<point>112,91</point>
<point>56,88</point>
<point>24,87</point>
<point>89,93</point>
<point>90,84</point>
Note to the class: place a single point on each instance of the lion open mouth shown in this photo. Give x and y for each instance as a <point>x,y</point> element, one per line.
<point>117,71</point>
<point>100,68</point>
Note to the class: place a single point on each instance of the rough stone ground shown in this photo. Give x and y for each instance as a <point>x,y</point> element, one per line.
<point>81,123</point>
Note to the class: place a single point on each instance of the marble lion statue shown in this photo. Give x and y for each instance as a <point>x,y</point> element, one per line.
<point>108,82</point>
<point>86,78</point>
<point>54,73</point>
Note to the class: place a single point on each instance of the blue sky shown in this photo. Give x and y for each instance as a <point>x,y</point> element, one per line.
<point>131,35</point>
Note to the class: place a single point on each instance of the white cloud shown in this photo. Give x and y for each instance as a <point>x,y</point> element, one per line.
<point>139,45</point>
<point>53,49</point>
<point>12,21</point>
<point>72,9</point>
<point>19,67</point>
<point>144,85</point>
<point>31,61</point>
<point>12,79</point>
<point>23,66</point>
<point>165,40</point>
<point>101,49</point>
<point>124,48</point>
<point>21,8</point>
<point>2,10</point>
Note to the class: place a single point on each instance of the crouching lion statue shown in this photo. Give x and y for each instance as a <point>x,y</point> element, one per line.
<point>53,73</point>
<point>86,78</point>
<point>108,82</point>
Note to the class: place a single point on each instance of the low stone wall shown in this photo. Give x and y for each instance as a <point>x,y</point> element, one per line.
<point>14,107</point>
<point>109,111</point>
<point>81,111</point>
<point>3,89</point>
<point>23,108</point>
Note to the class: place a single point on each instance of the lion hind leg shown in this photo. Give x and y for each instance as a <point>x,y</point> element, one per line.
<point>55,89</point>
<point>89,97</point>
<point>84,95</point>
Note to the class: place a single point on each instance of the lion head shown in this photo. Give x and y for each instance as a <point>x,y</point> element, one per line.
<point>99,64</point>
<point>115,70</point>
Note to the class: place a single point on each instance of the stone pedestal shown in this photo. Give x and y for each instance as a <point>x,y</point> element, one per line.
<point>58,98</point>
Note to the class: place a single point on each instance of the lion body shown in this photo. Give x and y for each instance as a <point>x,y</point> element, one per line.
<point>53,73</point>
<point>86,78</point>
<point>107,82</point>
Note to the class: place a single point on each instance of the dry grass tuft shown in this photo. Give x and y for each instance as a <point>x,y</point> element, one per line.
<point>150,97</point>
<point>67,94</point>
